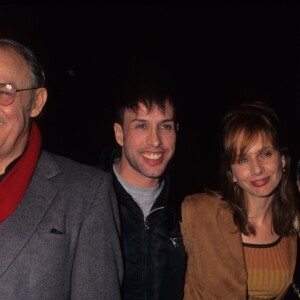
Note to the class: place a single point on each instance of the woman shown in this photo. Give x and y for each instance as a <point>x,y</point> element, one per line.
<point>241,242</point>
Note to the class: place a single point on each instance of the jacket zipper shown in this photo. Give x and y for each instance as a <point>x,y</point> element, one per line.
<point>146,227</point>
<point>174,242</point>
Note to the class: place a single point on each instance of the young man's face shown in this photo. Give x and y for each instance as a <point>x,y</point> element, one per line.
<point>148,143</point>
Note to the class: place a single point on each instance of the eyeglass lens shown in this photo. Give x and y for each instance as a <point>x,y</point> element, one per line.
<point>7,94</point>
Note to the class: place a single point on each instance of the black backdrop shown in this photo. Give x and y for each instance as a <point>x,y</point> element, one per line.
<point>217,56</point>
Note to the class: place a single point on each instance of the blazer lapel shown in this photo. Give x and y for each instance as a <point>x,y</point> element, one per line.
<point>17,229</point>
<point>231,235</point>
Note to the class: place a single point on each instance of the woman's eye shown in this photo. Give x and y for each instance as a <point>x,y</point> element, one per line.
<point>242,160</point>
<point>266,154</point>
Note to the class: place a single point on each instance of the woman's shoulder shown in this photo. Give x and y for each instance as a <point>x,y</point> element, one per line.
<point>202,200</point>
<point>203,208</point>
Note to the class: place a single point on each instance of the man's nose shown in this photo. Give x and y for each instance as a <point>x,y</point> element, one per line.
<point>154,137</point>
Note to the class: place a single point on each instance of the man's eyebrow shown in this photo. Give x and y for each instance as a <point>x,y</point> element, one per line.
<point>138,120</point>
<point>168,120</point>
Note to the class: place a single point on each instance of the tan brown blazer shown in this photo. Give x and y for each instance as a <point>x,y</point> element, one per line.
<point>216,264</point>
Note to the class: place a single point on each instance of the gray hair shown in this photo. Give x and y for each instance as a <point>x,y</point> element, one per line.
<point>36,70</point>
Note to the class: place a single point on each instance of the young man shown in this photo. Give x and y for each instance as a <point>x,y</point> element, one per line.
<point>155,259</point>
<point>59,226</point>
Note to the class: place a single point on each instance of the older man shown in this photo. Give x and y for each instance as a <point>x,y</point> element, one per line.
<point>59,222</point>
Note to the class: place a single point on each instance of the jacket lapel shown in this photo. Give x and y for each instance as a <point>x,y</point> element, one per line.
<point>17,230</point>
<point>231,235</point>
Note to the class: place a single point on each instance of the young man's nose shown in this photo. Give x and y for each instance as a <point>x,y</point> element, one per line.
<point>154,137</point>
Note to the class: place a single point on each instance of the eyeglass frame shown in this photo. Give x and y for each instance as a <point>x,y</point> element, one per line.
<point>15,91</point>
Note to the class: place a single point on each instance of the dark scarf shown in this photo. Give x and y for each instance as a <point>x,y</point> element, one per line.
<point>13,186</point>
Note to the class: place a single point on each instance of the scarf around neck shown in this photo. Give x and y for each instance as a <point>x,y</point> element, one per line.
<point>13,186</point>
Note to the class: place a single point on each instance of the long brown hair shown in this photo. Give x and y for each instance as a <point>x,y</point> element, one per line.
<point>254,119</point>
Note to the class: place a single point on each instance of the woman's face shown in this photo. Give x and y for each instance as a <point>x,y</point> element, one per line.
<point>258,171</point>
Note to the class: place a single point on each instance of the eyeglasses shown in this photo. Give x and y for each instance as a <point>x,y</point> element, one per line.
<point>8,93</point>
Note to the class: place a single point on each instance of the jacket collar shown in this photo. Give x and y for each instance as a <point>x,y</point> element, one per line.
<point>19,228</point>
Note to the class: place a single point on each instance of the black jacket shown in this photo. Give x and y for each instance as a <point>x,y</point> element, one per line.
<point>154,255</point>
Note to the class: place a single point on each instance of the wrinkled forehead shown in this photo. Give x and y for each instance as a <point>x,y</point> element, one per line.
<point>13,68</point>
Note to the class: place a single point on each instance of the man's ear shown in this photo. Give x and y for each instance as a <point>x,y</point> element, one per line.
<point>118,133</point>
<point>40,99</point>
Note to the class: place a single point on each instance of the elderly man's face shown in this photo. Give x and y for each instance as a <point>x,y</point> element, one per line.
<point>15,118</point>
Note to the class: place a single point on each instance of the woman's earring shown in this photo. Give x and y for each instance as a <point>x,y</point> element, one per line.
<point>236,187</point>
<point>283,170</point>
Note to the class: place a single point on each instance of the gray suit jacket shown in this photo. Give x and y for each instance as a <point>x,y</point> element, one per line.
<point>62,241</point>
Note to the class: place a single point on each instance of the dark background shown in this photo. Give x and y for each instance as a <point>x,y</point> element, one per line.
<point>217,56</point>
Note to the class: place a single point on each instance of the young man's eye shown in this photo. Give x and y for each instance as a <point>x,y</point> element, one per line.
<point>140,126</point>
<point>167,126</point>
